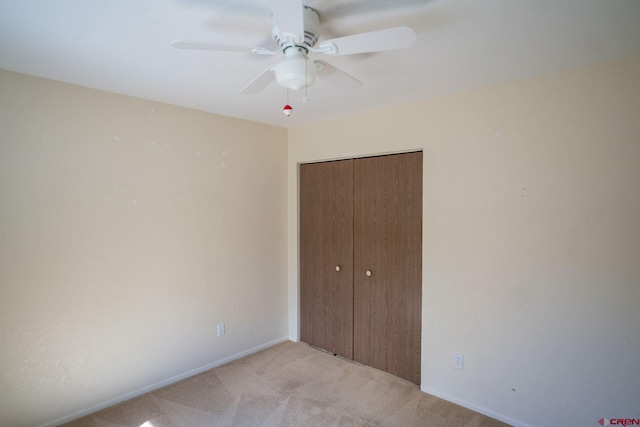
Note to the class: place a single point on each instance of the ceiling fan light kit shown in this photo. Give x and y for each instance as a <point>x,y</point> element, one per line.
<point>295,31</point>
<point>296,71</point>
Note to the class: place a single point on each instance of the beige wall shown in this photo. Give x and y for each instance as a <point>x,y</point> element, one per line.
<point>531,239</point>
<point>128,230</point>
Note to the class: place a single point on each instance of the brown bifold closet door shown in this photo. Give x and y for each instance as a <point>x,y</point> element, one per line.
<point>361,260</point>
<point>326,256</point>
<point>388,263</point>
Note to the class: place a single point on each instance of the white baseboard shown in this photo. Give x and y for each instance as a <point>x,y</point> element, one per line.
<point>160,384</point>
<point>473,407</point>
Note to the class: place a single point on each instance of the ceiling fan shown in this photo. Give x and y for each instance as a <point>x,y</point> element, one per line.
<point>295,31</point>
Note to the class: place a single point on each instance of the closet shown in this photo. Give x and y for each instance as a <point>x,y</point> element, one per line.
<point>361,260</point>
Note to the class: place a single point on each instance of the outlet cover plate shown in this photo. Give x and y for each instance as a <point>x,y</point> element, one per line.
<point>458,361</point>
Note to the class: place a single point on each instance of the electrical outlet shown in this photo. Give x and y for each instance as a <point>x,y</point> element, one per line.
<point>458,361</point>
<point>220,329</point>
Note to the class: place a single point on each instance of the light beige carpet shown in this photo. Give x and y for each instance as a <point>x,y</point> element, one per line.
<point>290,384</point>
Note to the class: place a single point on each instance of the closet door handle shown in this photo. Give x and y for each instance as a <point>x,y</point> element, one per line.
<point>338,268</point>
<point>368,273</point>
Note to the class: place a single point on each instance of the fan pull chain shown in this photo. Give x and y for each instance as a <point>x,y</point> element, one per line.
<point>305,98</point>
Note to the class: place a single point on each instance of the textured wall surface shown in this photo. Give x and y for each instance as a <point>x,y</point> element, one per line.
<point>531,239</point>
<point>128,230</point>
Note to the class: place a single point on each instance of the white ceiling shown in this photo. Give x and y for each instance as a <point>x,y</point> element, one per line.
<point>122,46</point>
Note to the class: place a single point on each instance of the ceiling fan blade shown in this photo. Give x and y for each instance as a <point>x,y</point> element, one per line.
<point>288,16</point>
<point>259,83</point>
<point>374,41</point>
<point>203,46</point>
<point>336,77</point>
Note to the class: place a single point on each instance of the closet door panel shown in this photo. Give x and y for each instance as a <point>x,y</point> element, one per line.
<point>326,256</point>
<point>388,243</point>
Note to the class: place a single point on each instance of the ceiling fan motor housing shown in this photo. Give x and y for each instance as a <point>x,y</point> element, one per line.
<point>304,41</point>
<point>296,71</point>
